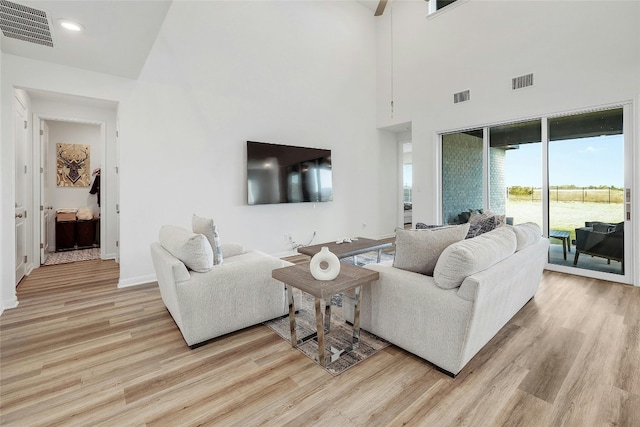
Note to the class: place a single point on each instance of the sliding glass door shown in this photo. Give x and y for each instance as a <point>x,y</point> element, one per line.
<point>565,173</point>
<point>515,173</point>
<point>586,186</point>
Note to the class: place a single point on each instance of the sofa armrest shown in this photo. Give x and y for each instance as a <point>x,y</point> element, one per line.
<point>169,272</point>
<point>231,249</point>
<point>231,296</point>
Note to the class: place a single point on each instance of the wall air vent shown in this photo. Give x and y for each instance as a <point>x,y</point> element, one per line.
<point>522,81</point>
<point>25,23</point>
<point>461,96</point>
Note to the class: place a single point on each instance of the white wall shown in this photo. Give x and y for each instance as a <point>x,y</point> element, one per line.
<point>298,73</point>
<point>222,73</point>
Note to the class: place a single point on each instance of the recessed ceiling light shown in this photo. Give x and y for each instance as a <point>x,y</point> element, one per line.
<point>70,25</point>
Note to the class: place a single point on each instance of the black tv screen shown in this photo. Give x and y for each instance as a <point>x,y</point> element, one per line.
<point>287,174</point>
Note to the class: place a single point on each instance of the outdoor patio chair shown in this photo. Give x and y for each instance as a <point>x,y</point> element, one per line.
<point>601,239</point>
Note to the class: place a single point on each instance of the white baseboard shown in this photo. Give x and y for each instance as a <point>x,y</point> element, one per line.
<point>10,303</point>
<point>135,281</point>
<point>285,254</point>
<point>385,236</point>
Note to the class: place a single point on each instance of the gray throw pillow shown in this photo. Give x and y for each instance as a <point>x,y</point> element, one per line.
<point>423,226</point>
<point>419,250</point>
<point>482,226</point>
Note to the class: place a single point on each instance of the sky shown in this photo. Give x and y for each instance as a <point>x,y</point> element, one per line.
<point>582,162</point>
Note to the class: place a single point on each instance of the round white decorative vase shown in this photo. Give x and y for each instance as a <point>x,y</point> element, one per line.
<point>333,265</point>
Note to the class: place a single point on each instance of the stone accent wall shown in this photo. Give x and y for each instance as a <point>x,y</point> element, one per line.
<point>462,174</point>
<point>497,184</point>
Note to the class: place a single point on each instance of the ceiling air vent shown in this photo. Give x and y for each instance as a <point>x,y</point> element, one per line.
<point>461,96</point>
<point>25,23</point>
<point>522,81</point>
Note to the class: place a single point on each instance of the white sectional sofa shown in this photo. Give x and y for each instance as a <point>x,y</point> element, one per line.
<point>218,299</point>
<point>478,285</point>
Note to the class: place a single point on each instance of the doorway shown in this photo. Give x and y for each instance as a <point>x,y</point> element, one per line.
<point>70,218</point>
<point>407,184</point>
<point>47,111</point>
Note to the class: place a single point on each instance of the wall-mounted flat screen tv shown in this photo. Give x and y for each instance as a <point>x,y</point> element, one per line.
<point>287,174</point>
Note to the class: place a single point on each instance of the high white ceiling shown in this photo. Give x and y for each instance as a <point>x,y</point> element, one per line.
<point>117,37</point>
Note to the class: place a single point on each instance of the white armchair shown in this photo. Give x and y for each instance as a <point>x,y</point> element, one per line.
<point>230,296</point>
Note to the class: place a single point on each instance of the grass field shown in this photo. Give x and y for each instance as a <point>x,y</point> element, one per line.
<point>565,215</point>
<point>600,195</point>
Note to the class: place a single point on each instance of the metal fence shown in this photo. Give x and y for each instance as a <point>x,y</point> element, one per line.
<point>559,194</point>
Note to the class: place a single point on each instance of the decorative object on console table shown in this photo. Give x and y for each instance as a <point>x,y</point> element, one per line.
<point>318,260</point>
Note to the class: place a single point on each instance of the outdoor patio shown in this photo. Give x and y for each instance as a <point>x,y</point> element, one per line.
<point>585,261</point>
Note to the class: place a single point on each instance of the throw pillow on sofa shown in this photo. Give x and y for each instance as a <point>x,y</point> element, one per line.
<point>192,249</point>
<point>207,227</point>
<point>481,226</point>
<point>423,226</point>
<point>527,234</point>
<point>418,250</point>
<point>467,257</point>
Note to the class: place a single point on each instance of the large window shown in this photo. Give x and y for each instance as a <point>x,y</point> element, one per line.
<point>515,177</point>
<point>586,186</point>
<point>436,5</point>
<point>565,173</point>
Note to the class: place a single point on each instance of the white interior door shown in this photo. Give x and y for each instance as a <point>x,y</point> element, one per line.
<point>20,141</point>
<point>46,210</point>
<point>116,191</point>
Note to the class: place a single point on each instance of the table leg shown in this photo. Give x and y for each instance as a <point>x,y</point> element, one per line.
<point>292,317</point>
<point>564,247</point>
<point>379,255</point>
<point>327,315</point>
<point>322,358</point>
<point>355,341</point>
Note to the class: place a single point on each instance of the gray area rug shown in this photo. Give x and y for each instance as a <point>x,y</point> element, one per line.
<point>72,256</point>
<point>341,332</point>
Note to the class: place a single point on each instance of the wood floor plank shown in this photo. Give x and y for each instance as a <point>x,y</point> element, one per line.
<point>79,351</point>
<point>554,358</point>
<point>591,377</point>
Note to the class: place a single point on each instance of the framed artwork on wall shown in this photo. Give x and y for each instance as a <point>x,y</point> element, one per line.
<point>73,165</point>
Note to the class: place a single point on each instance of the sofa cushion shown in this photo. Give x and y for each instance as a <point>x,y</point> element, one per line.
<point>418,250</point>
<point>527,234</point>
<point>192,249</point>
<point>470,256</point>
<point>207,227</point>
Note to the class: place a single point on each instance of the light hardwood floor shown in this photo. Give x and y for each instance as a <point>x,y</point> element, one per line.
<point>79,351</point>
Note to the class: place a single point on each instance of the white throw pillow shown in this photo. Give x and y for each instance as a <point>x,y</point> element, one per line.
<point>527,234</point>
<point>207,227</point>
<point>418,250</point>
<point>192,249</point>
<point>467,257</point>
